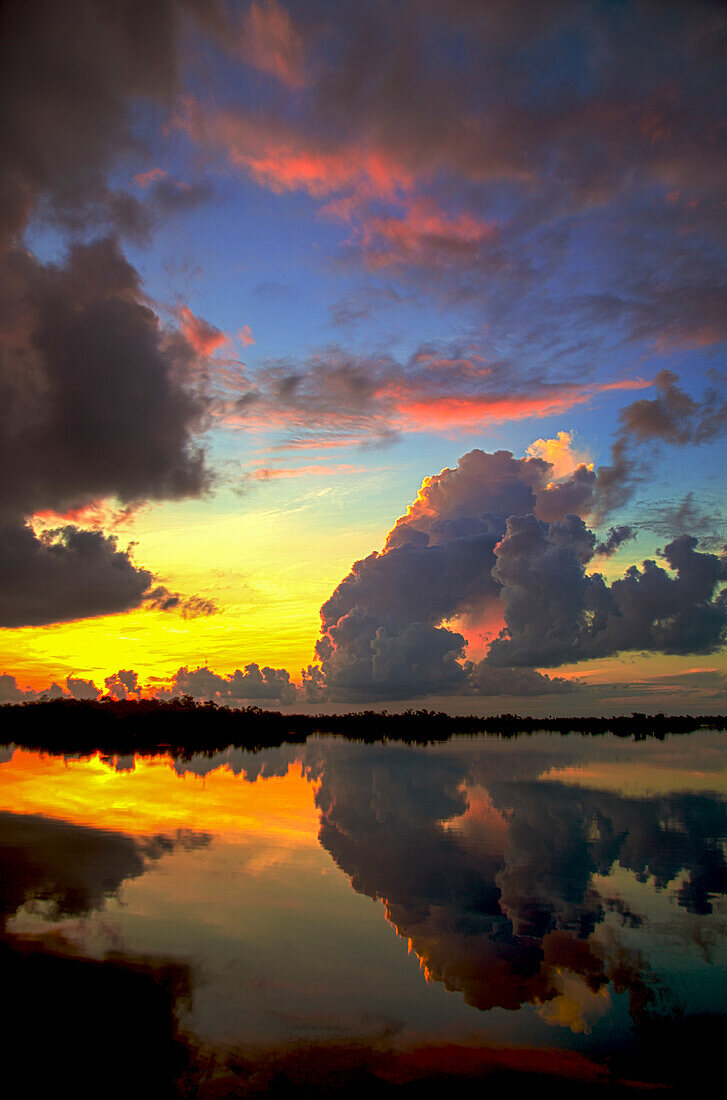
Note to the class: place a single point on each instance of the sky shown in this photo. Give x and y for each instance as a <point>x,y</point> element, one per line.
<point>365,354</point>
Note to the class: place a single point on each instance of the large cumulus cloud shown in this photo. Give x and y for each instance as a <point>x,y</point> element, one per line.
<point>382,626</point>
<point>498,539</point>
<point>555,612</point>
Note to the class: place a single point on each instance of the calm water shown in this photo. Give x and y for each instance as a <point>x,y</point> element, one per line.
<point>554,904</point>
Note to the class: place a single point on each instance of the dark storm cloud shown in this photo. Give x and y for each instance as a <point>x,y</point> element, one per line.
<point>96,402</point>
<point>486,679</point>
<point>71,74</point>
<point>94,396</point>
<point>554,612</point>
<point>473,550</point>
<point>64,575</point>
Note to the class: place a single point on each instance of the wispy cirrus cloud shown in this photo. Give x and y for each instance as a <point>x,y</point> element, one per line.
<point>272,473</point>
<point>337,395</point>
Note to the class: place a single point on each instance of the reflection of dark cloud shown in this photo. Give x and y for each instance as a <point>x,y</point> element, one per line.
<point>494,916</point>
<point>73,867</point>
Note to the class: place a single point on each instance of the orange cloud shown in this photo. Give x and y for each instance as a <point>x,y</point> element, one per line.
<point>559,453</point>
<point>203,336</point>
<point>465,411</point>
<point>244,335</point>
<point>96,514</point>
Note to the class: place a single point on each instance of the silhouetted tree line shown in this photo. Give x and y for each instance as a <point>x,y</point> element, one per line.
<point>181,726</point>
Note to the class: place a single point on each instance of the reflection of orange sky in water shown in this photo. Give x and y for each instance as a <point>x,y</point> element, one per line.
<point>153,798</point>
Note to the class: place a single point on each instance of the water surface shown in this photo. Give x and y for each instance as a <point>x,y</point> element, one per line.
<point>548,902</point>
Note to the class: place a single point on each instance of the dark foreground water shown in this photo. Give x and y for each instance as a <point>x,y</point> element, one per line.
<point>546,910</point>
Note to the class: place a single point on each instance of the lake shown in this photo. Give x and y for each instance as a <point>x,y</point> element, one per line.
<point>544,909</point>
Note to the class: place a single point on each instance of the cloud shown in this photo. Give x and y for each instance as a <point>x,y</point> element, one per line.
<point>339,394</point>
<point>615,538</point>
<point>272,44</point>
<point>175,196</point>
<point>146,179</point>
<point>82,689</point>
<point>64,575</point>
<point>251,685</point>
<point>69,103</point>
<point>497,536</point>
<point>202,336</point>
<point>123,683</point>
<point>555,612</point>
<point>384,632</point>
<point>10,692</point>
<point>672,417</point>
<point>189,607</point>
<point>485,679</point>
<point>270,473</point>
<point>405,130</point>
<point>99,400</point>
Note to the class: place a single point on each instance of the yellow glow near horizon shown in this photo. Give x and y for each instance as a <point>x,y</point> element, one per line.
<point>269,570</point>
<point>154,798</point>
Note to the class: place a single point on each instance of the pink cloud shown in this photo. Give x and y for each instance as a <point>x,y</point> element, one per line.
<point>422,232</point>
<point>283,157</point>
<point>203,336</point>
<point>145,179</point>
<point>245,336</point>
<point>271,473</point>
<point>337,399</point>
